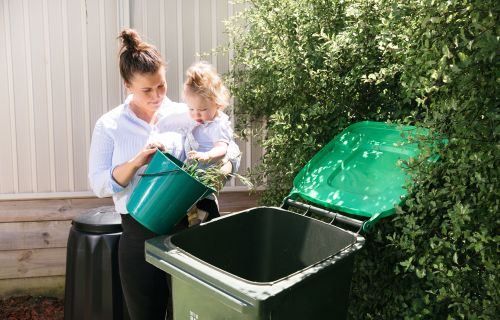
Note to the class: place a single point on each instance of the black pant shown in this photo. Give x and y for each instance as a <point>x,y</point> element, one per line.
<point>147,289</point>
<point>209,206</point>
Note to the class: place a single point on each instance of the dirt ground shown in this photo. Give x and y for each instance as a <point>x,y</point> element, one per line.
<point>31,308</point>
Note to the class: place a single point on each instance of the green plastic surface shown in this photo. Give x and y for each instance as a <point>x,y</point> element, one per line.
<point>359,171</point>
<point>164,194</point>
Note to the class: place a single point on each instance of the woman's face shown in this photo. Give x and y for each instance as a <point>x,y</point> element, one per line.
<point>149,90</point>
<point>200,108</point>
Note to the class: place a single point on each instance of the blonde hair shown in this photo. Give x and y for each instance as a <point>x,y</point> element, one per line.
<point>202,79</point>
<point>137,56</point>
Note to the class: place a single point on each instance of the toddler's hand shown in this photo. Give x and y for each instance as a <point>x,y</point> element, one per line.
<point>200,156</point>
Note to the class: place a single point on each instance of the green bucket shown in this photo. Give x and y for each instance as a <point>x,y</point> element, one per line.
<point>164,194</point>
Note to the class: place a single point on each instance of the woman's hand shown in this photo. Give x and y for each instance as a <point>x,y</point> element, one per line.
<point>144,156</point>
<point>123,173</point>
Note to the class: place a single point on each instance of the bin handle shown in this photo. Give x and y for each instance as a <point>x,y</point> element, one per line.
<point>225,298</point>
<point>161,173</point>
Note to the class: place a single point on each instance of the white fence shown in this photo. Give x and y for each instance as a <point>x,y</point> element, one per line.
<point>59,73</point>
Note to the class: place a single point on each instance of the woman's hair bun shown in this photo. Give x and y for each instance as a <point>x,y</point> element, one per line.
<point>137,56</point>
<point>130,40</point>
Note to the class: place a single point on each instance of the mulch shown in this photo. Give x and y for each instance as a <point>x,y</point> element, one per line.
<point>31,308</point>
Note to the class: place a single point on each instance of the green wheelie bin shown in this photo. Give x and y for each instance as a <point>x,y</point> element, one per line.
<point>293,262</point>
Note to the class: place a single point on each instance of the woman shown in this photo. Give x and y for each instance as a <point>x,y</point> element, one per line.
<point>123,142</point>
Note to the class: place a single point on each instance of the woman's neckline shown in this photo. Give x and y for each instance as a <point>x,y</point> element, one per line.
<point>144,116</point>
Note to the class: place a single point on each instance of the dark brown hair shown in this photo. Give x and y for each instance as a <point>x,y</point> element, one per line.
<point>137,56</point>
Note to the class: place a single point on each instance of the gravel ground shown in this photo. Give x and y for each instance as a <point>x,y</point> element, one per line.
<point>31,308</point>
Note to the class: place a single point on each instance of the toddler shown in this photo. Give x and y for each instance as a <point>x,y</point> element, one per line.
<point>210,140</point>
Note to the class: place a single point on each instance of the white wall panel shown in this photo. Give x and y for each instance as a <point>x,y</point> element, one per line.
<point>59,74</point>
<point>222,38</point>
<point>79,90</point>
<point>96,60</point>
<point>22,93</point>
<point>171,49</point>
<point>205,31</point>
<point>152,20</point>
<point>188,36</point>
<point>110,45</point>
<point>8,167</point>
<point>39,104</point>
<point>60,93</point>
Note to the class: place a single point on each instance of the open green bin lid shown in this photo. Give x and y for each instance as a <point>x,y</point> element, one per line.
<point>359,171</point>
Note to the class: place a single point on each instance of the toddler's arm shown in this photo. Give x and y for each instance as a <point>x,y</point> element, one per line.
<point>217,152</point>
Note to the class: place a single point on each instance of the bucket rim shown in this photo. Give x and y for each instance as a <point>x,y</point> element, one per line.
<point>179,169</point>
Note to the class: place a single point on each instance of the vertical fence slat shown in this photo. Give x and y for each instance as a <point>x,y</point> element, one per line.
<point>205,29</point>
<point>5,136</point>
<point>29,91</point>
<point>188,34</point>
<point>180,51</point>
<point>50,110</point>
<point>197,29</point>
<point>213,12</point>
<point>20,95</point>
<point>104,73</point>
<point>123,22</point>
<point>10,82</point>
<point>69,111</point>
<point>162,29</point>
<point>86,95</point>
<point>37,62</point>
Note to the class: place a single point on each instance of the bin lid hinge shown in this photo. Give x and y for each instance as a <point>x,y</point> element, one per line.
<point>355,224</point>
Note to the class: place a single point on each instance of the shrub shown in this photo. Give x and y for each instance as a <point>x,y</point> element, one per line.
<point>299,65</point>
<point>447,233</point>
<point>309,68</point>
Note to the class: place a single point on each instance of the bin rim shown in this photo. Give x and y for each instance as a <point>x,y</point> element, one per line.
<point>357,243</point>
<point>101,220</point>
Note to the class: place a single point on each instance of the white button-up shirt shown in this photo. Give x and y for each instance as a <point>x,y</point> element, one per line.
<point>119,135</point>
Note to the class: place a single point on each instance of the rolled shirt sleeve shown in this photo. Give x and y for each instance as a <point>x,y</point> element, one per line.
<point>234,156</point>
<point>225,134</point>
<point>100,163</point>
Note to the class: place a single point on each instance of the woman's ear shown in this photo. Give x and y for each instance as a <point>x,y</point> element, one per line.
<point>128,87</point>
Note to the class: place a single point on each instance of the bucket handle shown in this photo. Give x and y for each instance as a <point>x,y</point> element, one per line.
<point>161,173</point>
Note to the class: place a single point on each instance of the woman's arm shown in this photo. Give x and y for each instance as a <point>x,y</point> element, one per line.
<point>105,180</point>
<point>123,173</point>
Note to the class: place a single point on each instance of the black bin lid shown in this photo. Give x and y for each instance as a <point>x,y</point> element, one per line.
<point>99,220</point>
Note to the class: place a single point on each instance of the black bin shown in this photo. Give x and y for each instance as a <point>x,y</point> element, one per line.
<point>93,289</point>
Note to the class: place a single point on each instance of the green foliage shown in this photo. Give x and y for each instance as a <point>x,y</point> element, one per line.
<point>309,68</point>
<point>300,65</point>
<point>213,176</point>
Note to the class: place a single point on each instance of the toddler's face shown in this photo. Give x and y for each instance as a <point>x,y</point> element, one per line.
<point>200,109</point>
